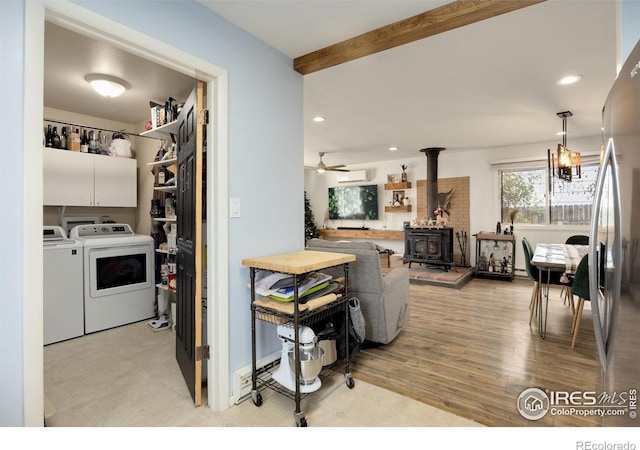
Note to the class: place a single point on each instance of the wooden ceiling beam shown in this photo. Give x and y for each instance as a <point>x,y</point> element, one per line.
<point>447,17</point>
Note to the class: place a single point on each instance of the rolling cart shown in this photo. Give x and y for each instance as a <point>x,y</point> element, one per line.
<point>298,265</point>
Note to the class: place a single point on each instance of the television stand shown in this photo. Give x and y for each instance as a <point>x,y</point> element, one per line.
<point>353,228</point>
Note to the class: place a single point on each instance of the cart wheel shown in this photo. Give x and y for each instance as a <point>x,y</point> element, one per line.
<point>257,398</point>
<point>300,420</point>
<point>350,381</point>
<point>302,423</point>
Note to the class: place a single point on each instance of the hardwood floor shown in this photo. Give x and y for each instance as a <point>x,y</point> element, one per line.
<point>472,352</point>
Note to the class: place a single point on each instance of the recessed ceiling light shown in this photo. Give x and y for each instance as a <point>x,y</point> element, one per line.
<point>569,79</point>
<point>393,149</point>
<point>107,85</point>
<point>318,119</point>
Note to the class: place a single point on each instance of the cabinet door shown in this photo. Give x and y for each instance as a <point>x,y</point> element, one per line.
<point>115,181</point>
<point>67,178</point>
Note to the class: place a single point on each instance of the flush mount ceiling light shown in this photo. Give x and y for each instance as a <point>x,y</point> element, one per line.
<point>107,85</point>
<point>393,149</point>
<point>569,79</point>
<point>563,163</point>
<point>318,119</point>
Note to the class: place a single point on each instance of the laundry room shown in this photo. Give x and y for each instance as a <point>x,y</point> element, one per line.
<point>109,202</point>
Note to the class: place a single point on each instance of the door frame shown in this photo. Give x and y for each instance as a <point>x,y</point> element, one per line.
<point>88,23</point>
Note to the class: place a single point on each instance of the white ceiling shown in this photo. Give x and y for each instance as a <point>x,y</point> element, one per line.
<point>486,85</point>
<point>68,57</point>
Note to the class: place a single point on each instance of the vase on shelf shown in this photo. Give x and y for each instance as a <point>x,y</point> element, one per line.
<point>404,177</point>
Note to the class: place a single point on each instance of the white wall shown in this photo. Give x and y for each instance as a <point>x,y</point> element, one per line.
<point>483,187</point>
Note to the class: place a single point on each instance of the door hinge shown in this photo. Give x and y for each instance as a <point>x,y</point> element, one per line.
<point>202,353</point>
<point>203,117</point>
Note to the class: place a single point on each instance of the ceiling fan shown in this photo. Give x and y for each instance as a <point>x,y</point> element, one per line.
<point>321,167</point>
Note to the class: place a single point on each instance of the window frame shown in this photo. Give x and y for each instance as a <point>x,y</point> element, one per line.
<point>537,164</point>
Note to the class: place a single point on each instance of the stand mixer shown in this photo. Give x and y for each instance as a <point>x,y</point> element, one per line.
<point>285,374</point>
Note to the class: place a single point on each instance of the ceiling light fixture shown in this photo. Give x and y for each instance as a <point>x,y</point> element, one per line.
<point>393,149</point>
<point>107,85</point>
<point>569,79</point>
<point>318,119</point>
<point>564,160</point>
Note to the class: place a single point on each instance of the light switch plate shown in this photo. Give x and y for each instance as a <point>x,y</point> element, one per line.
<point>234,207</point>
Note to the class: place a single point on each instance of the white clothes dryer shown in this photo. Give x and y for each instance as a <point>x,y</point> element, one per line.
<point>63,295</point>
<point>119,281</point>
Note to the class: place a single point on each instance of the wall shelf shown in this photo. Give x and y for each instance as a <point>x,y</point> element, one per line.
<point>397,209</point>
<point>164,162</point>
<point>392,235</point>
<point>163,132</point>
<point>395,186</point>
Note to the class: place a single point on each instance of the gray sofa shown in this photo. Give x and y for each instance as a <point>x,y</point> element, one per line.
<point>384,299</point>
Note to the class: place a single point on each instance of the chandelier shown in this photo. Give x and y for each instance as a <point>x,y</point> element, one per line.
<point>564,164</point>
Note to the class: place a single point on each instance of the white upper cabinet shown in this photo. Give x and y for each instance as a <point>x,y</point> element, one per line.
<point>84,179</point>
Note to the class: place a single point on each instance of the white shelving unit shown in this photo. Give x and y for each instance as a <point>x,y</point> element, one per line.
<point>164,162</point>
<point>162,132</point>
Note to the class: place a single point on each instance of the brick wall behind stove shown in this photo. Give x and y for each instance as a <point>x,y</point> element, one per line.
<point>459,218</point>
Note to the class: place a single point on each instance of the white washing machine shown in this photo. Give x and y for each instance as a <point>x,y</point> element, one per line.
<point>119,281</point>
<point>63,296</point>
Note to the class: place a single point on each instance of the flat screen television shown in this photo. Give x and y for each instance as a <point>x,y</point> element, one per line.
<point>353,202</point>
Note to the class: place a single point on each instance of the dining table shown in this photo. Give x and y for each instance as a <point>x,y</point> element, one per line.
<point>562,258</point>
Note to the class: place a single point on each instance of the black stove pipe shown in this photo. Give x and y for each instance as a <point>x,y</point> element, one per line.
<point>432,178</point>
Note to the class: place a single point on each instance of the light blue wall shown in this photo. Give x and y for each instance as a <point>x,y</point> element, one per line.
<point>265,161</point>
<point>630,26</point>
<point>12,372</point>
<point>265,140</point>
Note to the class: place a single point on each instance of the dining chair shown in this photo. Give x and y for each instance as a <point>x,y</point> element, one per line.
<point>532,274</point>
<point>552,278</point>
<point>576,239</point>
<point>580,288</point>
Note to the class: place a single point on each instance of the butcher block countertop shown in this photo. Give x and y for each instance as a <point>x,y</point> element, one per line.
<point>298,262</point>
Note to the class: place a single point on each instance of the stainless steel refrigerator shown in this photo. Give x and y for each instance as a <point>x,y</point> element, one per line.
<point>614,272</point>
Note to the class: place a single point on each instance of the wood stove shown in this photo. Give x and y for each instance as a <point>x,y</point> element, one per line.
<point>433,246</point>
<point>430,245</point>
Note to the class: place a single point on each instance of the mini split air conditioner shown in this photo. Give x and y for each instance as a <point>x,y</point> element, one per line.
<point>354,175</point>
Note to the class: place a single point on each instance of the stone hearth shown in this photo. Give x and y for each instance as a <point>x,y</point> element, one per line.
<point>455,278</point>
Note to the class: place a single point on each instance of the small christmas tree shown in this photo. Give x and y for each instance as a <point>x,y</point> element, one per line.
<point>310,230</point>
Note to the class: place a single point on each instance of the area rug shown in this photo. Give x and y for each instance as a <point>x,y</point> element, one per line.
<point>455,278</point>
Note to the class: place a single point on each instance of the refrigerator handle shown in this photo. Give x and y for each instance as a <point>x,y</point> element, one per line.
<point>605,326</point>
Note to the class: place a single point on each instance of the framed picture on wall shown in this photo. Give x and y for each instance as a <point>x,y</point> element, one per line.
<point>398,197</point>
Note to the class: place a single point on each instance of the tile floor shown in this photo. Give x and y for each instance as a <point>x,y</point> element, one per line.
<point>128,377</point>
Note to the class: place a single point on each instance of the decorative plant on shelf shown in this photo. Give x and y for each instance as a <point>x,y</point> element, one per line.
<point>404,173</point>
<point>310,230</point>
